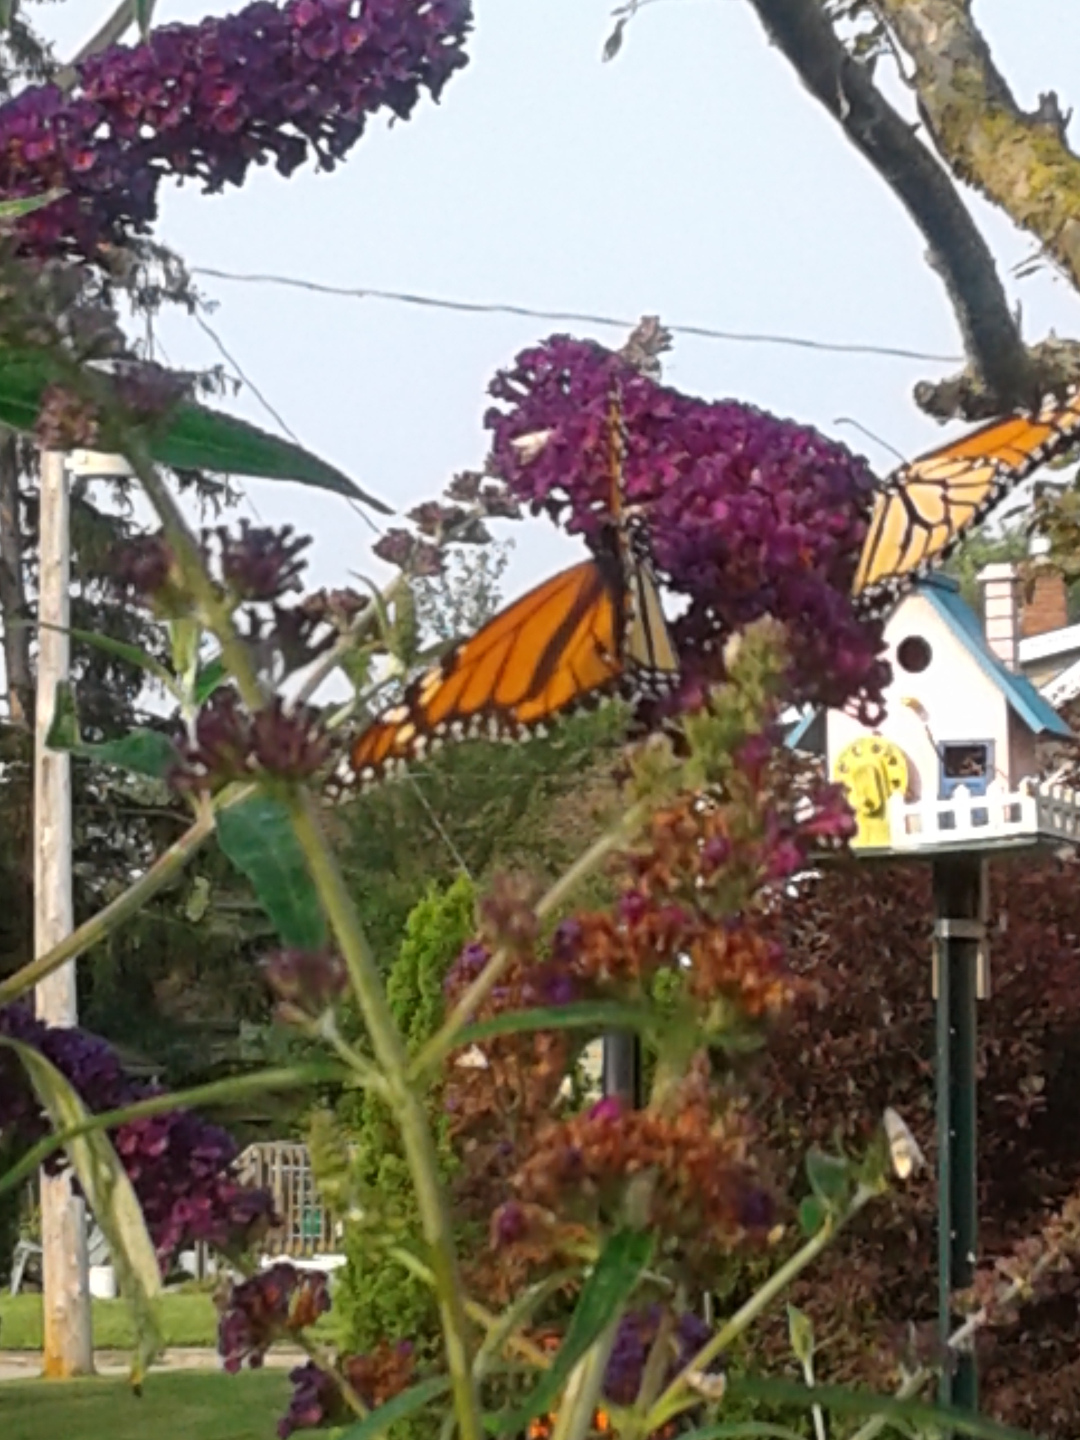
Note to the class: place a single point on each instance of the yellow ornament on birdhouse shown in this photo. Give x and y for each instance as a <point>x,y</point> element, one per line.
<point>871,769</point>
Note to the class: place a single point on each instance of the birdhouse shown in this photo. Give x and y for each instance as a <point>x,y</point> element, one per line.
<point>955,761</point>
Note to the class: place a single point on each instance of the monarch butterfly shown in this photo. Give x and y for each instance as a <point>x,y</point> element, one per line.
<point>592,631</point>
<point>925,508</point>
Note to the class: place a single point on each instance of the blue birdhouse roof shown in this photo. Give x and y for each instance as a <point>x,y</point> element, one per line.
<point>943,594</point>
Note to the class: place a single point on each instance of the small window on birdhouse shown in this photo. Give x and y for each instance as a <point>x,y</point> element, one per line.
<point>914,654</point>
<point>969,763</point>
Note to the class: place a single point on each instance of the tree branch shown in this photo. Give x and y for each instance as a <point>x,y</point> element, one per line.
<point>1019,161</point>
<point>803,33</point>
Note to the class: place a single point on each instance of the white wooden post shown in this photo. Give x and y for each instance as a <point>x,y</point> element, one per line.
<point>68,1348</point>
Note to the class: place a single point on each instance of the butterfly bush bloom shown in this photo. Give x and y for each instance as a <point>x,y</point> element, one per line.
<point>210,100</point>
<point>747,514</point>
<point>278,1302</point>
<point>180,1167</point>
<point>376,1378</point>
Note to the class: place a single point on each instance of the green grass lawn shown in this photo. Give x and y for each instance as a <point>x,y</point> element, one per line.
<point>186,1320</point>
<point>176,1406</point>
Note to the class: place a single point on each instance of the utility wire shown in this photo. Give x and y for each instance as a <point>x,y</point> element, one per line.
<point>469,307</point>
<point>275,414</point>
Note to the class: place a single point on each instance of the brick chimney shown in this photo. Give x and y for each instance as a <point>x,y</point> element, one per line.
<point>1001,607</point>
<point>1048,608</point>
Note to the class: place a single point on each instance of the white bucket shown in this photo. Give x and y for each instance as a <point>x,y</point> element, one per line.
<point>102,1282</point>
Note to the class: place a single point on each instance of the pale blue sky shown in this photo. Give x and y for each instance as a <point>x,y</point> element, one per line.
<point>692,178</point>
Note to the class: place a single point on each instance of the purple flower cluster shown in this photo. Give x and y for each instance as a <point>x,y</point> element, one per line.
<point>634,1339</point>
<point>306,982</point>
<point>179,1165</point>
<point>279,1301</point>
<point>317,1399</point>
<point>210,100</point>
<point>231,744</point>
<point>747,515</point>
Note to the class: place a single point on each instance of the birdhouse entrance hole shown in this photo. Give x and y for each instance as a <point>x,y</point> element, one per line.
<point>914,654</point>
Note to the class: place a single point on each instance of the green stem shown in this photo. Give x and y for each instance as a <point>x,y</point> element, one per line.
<point>415,1132</point>
<point>500,1330</point>
<point>214,611</point>
<point>164,869</point>
<point>431,1055</point>
<point>293,1077</point>
<point>913,1383</point>
<point>582,1391</point>
<point>673,1399</point>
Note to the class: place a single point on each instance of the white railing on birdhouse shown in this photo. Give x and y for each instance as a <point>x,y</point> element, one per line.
<point>1032,811</point>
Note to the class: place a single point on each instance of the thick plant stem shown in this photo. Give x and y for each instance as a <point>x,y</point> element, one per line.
<point>165,868</point>
<point>409,1112</point>
<point>441,1043</point>
<point>672,1400</point>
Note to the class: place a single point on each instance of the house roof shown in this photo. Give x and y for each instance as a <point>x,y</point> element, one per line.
<point>1049,644</point>
<point>1036,712</point>
<point>943,594</point>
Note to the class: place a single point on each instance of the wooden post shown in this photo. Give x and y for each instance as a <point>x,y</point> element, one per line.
<point>68,1348</point>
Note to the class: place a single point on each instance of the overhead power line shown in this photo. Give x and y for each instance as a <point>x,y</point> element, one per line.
<point>471,307</point>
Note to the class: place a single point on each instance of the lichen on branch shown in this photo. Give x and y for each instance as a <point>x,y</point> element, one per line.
<point>1018,160</point>
<point>844,86</point>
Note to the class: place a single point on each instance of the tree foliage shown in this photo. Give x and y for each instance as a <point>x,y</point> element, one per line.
<point>377,1297</point>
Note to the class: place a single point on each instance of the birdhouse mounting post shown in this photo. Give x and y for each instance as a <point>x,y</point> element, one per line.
<point>959,934</point>
<point>622,1067</point>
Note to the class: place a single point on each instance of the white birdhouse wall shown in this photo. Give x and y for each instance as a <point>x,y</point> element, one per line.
<point>939,695</point>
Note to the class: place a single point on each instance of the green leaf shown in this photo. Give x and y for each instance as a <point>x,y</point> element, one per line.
<point>16,209</point>
<point>811,1215</point>
<point>210,676</point>
<point>829,1176</point>
<point>801,1335</point>
<point>612,1281</point>
<point>585,1015</point>
<point>142,752</point>
<point>515,1317</point>
<point>144,13</point>
<point>407,1403</point>
<point>842,1401</point>
<point>110,1196</point>
<point>258,838</point>
<point>192,438</point>
<point>131,654</point>
<point>202,439</point>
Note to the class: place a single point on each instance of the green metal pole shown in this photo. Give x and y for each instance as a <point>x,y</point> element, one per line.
<point>622,1067</point>
<point>957,891</point>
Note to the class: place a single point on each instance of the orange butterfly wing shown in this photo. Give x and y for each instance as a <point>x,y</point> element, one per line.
<point>557,646</point>
<point>923,511</point>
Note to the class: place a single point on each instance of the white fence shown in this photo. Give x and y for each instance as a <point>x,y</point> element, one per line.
<point>1035,811</point>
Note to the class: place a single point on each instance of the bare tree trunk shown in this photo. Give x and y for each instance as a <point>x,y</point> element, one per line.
<point>68,1346</point>
<point>13,589</point>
